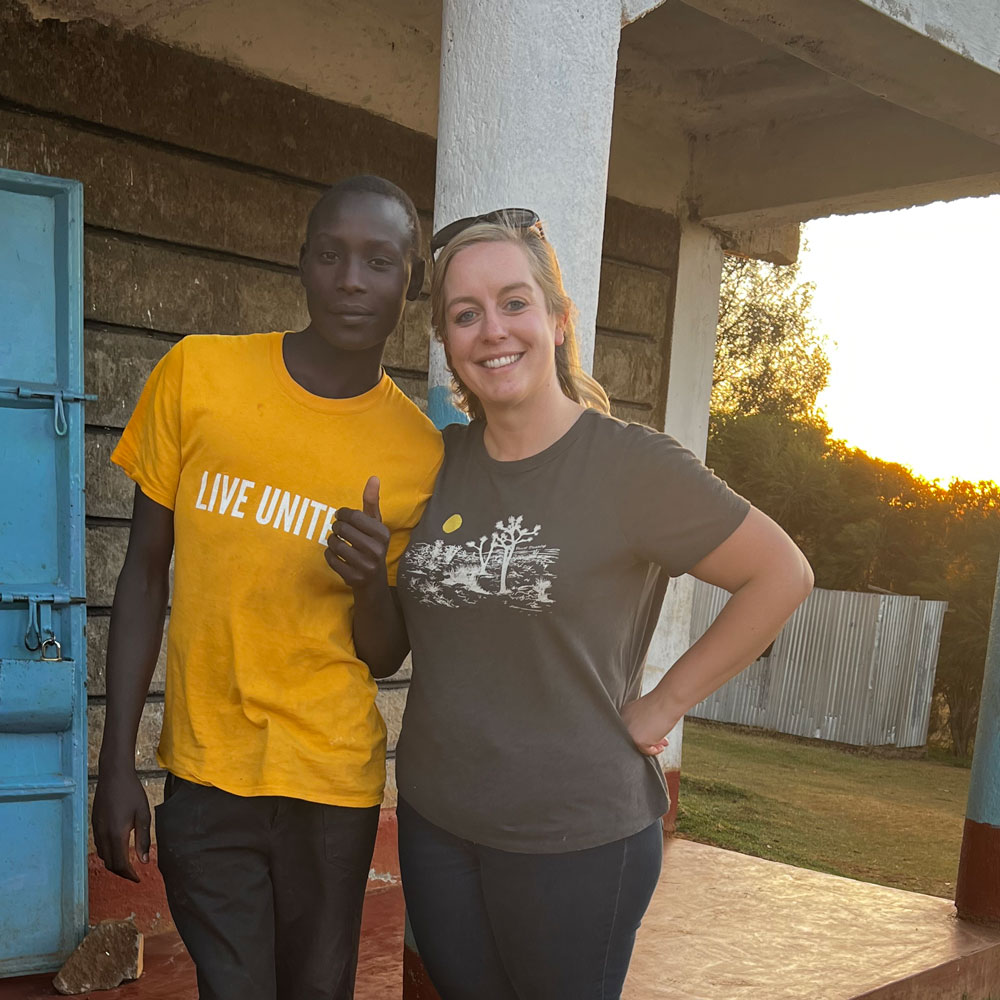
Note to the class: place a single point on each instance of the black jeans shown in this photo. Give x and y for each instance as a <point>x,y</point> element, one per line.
<point>495,925</point>
<point>266,892</point>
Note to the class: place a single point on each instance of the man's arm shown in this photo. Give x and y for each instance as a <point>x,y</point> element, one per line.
<point>120,803</point>
<point>380,637</point>
<point>356,550</point>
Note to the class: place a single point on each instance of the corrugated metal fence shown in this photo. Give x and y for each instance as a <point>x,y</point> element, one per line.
<point>848,667</point>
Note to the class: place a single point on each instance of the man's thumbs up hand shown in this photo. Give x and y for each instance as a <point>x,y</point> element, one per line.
<point>369,499</point>
<point>358,541</point>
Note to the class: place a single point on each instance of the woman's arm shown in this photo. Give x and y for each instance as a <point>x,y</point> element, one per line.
<point>356,550</point>
<point>769,578</point>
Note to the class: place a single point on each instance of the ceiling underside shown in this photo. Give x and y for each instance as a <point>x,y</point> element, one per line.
<point>744,123</point>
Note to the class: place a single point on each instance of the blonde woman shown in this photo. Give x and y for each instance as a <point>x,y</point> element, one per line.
<point>529,793</point>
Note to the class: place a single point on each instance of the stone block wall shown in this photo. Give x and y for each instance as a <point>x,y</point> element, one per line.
<point>197,181</point>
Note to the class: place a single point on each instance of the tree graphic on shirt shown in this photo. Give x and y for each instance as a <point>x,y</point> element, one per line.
<point>503,564</point>
<point>508,537</point>
<point>478,547</point>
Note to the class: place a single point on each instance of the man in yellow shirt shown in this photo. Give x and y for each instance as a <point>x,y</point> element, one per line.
<point>243,450</point>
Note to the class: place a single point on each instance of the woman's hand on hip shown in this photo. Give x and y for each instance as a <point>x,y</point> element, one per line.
<point>645,721</point>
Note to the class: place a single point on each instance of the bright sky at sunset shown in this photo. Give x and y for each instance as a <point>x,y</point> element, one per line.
<point>910,302</point>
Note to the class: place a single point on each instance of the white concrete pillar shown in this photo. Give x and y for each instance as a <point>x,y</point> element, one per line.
<point>689,389</point>
<point>693,331</point>
<point>527,90</point>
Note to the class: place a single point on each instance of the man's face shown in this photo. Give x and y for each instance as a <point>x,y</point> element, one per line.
<point>355,267</point>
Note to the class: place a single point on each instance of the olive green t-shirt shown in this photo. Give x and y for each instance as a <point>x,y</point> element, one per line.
<point>531,590</point>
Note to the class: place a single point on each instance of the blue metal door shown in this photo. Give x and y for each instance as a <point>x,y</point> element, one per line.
<point>43,744</point>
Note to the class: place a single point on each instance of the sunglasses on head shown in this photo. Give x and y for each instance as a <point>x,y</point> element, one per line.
<point>517,218</point>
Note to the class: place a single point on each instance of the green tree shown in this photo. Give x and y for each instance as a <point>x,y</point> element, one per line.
<point>769,357</point>
<point>766,436</point>
<point>972,543</point>
<point>863,522</point>
<point>889,526</point>
<point>782,466</point>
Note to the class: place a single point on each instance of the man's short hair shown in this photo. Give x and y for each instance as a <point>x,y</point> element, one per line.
<point>368,184</point>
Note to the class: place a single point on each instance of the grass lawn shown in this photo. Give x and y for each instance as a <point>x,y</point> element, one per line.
<point>895,822</point>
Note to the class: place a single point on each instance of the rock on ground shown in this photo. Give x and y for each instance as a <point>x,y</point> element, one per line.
<point>105,958</point>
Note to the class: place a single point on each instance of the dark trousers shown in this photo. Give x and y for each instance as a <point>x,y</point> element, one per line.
<point>266,891</point>
<point>495,925</point>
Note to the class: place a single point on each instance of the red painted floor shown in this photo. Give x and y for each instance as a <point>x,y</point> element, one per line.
<point>380,961</point>
<point>722,926</point>
<point>169,974</point>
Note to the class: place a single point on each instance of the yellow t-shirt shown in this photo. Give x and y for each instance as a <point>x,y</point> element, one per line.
<point>264,694</point>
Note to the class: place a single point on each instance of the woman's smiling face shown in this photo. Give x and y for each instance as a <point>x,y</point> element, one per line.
<point>499,333</point>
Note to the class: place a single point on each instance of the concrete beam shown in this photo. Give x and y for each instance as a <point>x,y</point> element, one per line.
<point>632,10</point>
<point>801,169</point>
<point>775,244</point>
<point>971,27</point>
<point>937,58</point>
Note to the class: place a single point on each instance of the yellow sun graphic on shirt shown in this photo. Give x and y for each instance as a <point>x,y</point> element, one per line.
<point>452,524</point>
